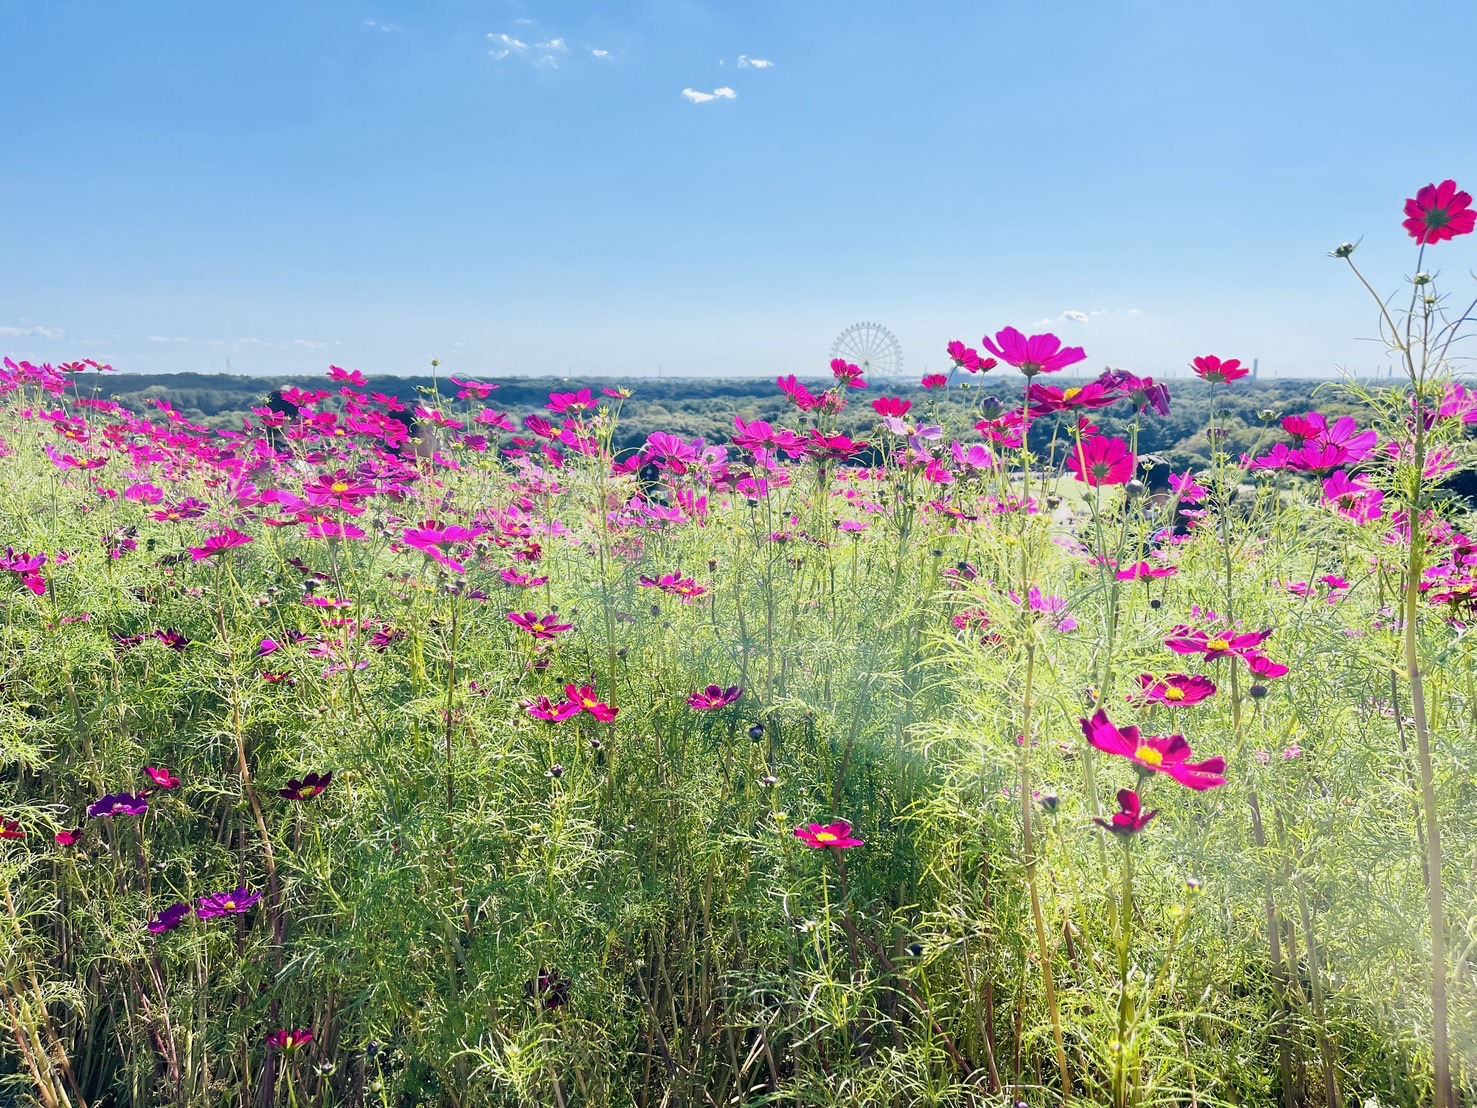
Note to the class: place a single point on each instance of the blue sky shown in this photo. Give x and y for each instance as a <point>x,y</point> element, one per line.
<point>376,183</point>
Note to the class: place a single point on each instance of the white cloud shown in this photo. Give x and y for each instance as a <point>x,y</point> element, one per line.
<point>523,22</point>
<point>1075,317</point>
<point>388,28</point>
<point>548,61</point>
<point>310,344</point>
<point>509,41</point>
<point>553,44</point>
<point>1135,311</point>
<point>600,53</point>
<point>703,97</point>
<point>746,62</point>
<point>31,332</point>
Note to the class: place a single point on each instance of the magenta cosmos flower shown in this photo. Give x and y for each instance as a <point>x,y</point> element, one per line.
<point>1166,754</point>
<point>585,699</point>
<point>170,918</point>
<point>232,903</point>
<point>219,544</point>
<point>289,1042</point>
<point>1219,644</point>
<point>545,709</point>
<point>162,778</point>
<point>968,359</point>
<point>540,627</point>
<point>1210,368</point>
<point>1178,690</point>
<point>436,541</point>
<point>1130,818</point>
<point>821,835</point>
<point>306,789</point>
<point>1439,212</point>
<point>1037,354</point>
<point>714,697</point>
<point>1100,461</point>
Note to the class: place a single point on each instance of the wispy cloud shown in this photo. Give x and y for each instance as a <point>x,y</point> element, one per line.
<point>746,62</point>
<point>1075,317</point>
<point>553,44</point>
<point>696,97</point>
<point>504,45</point>
<point>388,28</point>
<point>31,332</point>
<point>310,344</point>
<point>600,53</point>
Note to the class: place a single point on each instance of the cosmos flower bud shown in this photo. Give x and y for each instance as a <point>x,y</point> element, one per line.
<point>1258,692</point>
<point>1343,250</point>
<point>1135,488</point>
<point>757,732</point>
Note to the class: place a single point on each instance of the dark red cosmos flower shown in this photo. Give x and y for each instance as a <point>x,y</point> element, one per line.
<point>68,838</point>
<point>119,804</point>
<point>891,406</point>
<point>233,903</point>
<point>550,988</point>
<point>1130,819</point>
<point>1178,690</point>
<point>1102,461</point>
<point>310,786</point>
<point>714,697</point>
<point>10,829</point>
<point>1166,754</point>
<point>172,638</point>
<point>1439,212</point>
<point>170,918</point>
<point>540,627</point>
<point>162,778</point>
<point>1187,640</point>
<point>1210,368</point>
<point>289,1042</point>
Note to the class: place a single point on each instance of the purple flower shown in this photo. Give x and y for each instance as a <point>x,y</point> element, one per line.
<point>227,904</point>
<point>119,804</point>
<point>713,697</point>
<point>170,918</point>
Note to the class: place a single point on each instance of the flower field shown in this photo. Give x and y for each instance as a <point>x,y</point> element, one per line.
<point>451,756</point>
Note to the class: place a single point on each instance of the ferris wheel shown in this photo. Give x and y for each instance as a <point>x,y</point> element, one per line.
<point>871,346</point>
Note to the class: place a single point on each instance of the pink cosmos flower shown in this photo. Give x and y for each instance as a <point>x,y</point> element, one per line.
<point>836,836</point>
<point>1037,354</point>
<point>802,397</point>
<point>522,580</point>
<point>585,699</point>
<point>436,540</point>
<point>561,403</point>
<point>1102,461</point>
<point>119,804</point>
<point>1166,754</point>
<point>219,544</point>
<point>1439,212</point>
<point>1177,690</point>
<point>714,697</point>
<point>674,584</point>
<point>170,918</point>
<point>540,627</point>
<point>1353,499</point>
<point>935,381</point>
<point>1130,818</point>
<point>1144,571</point>
<point>1047,399</point>
<point>891,406</point>
<point>1212,369</point>
<point>545,709</point>
<point>847,373</point>
<point>1188,640</point>
<point>1186,487</point>
<point>233,903</point>
<point>1264,668</point>
<point>968,359</point>
<point>162,778</point>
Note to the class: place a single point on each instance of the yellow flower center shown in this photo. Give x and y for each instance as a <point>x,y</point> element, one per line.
<point>1149,756</point>
<point>1173,693</point>
<point>824,837</point>
<point>1218,645</point>
<point>1071,394</point>
<point>339,486</point>
<point>230,905</point>
<point>537,627</point>
<point>588,703</point>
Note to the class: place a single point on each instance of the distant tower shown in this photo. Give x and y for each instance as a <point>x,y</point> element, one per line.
<point>1254,368</point>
